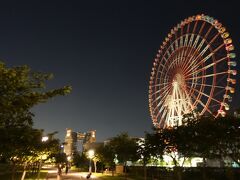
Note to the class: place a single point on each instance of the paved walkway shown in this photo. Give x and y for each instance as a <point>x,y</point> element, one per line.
<point>52,175</point>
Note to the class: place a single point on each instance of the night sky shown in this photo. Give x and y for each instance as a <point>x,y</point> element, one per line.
<point>104,50</point>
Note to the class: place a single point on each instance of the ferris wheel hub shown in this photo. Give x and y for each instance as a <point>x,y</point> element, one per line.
<point>178,80</point>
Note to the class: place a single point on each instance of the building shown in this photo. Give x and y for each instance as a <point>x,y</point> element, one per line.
<point>72,138</point>
<point>70,145</point>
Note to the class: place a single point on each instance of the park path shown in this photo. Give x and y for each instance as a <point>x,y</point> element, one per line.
<point>52,175</point>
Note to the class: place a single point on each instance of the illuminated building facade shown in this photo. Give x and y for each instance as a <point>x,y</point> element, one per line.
<point>71,139</point>
<point>70,145</point>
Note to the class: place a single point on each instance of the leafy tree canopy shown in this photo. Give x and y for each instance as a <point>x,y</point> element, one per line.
<point>20,90</point>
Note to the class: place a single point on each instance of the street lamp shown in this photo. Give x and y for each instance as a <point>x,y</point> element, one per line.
<point>90,156</point>
<point>69,158</point>
<point>44,138</point>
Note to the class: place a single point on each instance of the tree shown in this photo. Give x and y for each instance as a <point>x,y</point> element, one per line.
<point>146,148</point>
<point>227,144</point>
<point>121,148</point>
<point>81,160</point>
<point>106,154</point>
<point>20,90</point>
<point>125,148</point>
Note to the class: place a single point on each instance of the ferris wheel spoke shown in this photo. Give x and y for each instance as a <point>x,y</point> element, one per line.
<point>202,27</point>
<point>208,85</point>
<point>181,41</point>
<point>160,84</point>
<point>220,92</point>
<point>182,54</point>
<point>165,92</point>
<point>200,45</point>
<point>158,91</point>
<point>172,48</point>
<point>201,103</point>
<point>163,108</point>
<point>214,38</point>
<point>186,65</point>
<point>160,64</point>
<point>168,53</point>
<point>176,44</point>
<point>163,98</point>
<point>186,40</point>
<point>212,52</point>
<point>195,26</point>
<point>170,67</point>
<point>204,59</point>
<point>159,110</point>
<point>191,52</point>
<point>191,40</point>
<point>209,30</point>
<point>185,62</point>
<point>178,56</point>
<point>206,76</point>
<point>198,37</point>
<point>206,67</point>
<point>196,41</point>
<point>166,76</point>
<point>175,62</point>
<point>162,121</point>
<point>162,102</point>
<point>188,27</point>
<point>165,58</point>
<point>181,30</point>
<point>206,95</point>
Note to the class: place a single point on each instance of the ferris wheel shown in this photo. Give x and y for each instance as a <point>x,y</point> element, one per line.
<point>193,70</point>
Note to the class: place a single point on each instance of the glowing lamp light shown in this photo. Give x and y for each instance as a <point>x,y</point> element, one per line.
<point>91,153</point>
<point>44,138</point>
<point>69,158</point>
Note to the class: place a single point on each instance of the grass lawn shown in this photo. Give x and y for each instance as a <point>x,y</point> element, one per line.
<point>9,176</point>
<point>110,177</point>
<point>27,177</point>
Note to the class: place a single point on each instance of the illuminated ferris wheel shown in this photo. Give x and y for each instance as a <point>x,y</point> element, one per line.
<point>193,70</point>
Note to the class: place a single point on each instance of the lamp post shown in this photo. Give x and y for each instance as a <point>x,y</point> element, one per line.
<point>44,140</point>
<point>90,156</point>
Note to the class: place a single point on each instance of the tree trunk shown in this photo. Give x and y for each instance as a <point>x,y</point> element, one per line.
<point>39,169</point>
<point>125,170</point>
<point>204,169</point>
<point>13,170</point>
<point>178,172</point>
<point>95,166</point>
<point>145,170</point>
<point>24,171</point>
<point>112,170</point>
